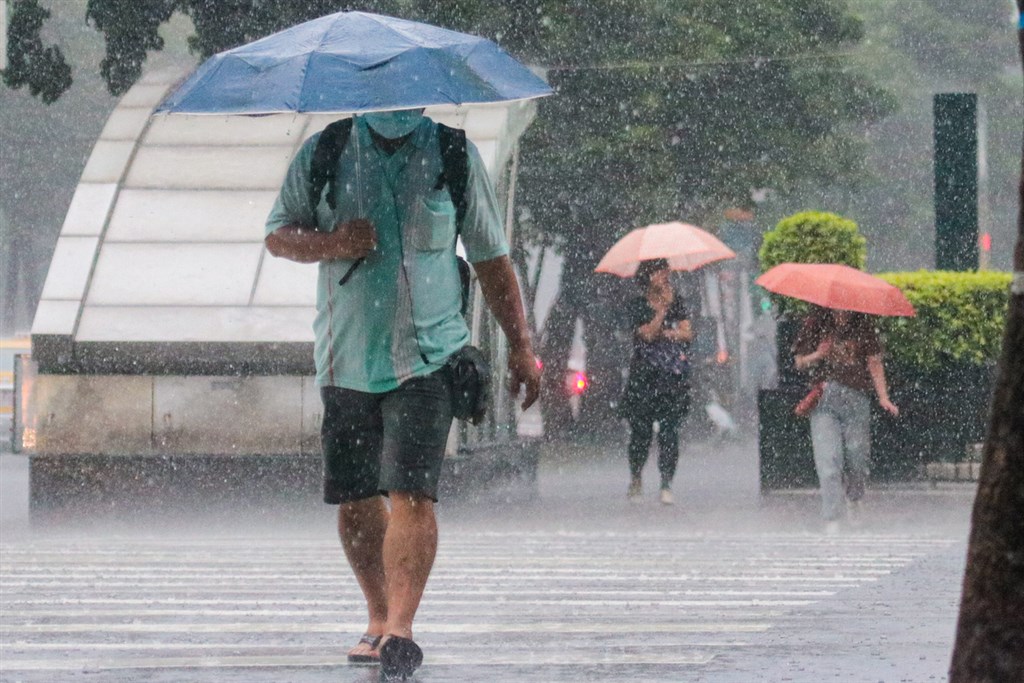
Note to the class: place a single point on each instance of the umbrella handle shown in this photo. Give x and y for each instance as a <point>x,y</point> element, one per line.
<point>351,269</point>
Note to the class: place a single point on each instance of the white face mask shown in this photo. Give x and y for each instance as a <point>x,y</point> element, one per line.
<point>394,124</point>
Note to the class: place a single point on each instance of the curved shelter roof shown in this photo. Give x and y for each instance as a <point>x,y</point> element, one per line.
<point>160,265</point>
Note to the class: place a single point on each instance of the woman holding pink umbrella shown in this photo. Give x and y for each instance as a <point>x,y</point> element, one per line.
<point>658,390</point>
<point>842,351</point>
<point>838,345</point>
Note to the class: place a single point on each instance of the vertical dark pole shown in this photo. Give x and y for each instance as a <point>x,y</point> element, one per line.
<point>956,181</point>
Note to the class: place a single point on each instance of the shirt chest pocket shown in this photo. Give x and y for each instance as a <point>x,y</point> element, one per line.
<point>435,227</point>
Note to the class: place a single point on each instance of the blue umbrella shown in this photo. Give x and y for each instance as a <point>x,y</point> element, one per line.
<point>354,62</point>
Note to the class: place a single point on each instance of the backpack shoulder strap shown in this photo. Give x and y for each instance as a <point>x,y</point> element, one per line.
<point>323,170</point>
<point>455,175</point>
<point>455,161</point>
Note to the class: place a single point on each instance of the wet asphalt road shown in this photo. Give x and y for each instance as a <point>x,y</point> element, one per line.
<point>575,585</point>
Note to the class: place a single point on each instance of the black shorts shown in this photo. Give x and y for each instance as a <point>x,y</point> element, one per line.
<point>395,441</point>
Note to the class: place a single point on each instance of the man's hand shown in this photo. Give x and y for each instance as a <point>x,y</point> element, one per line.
<point>353,239</point>
<point>501,291</point>
<point>524,370</point>
<point>349,240</point>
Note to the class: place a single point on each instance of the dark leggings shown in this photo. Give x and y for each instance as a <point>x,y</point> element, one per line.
<point>641,432</point>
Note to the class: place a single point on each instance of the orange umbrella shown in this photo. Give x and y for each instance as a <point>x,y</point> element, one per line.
<point>684,246</point>
<point>836,286</point>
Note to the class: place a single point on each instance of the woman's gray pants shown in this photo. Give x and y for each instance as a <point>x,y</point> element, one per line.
<point>841,436</point>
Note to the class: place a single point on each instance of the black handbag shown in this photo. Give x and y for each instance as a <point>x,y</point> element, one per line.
<point>471,384</point>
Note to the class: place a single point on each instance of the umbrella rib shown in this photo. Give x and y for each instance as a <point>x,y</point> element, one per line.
<point>305,66</point>
<point>411,37</point>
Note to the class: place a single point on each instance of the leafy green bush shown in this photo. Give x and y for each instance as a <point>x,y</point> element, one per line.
<point>960,318</point>
<point>813,237</point>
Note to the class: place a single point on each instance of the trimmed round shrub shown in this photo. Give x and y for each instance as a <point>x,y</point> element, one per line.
<point>813,237</point>
<point>960,319</point>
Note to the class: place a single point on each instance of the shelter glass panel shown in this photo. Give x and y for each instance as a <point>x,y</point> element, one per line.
<point>190,216</point>
<point>261,168</point>
<point>89,209</point>
<point>175,274</point>
<point>69,268</point>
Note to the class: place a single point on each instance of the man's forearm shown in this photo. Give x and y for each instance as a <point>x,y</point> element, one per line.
<point>501,292</point>
<point>300,244</point>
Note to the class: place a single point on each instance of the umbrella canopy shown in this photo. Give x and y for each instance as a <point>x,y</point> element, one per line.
<point>353,62</point>
<point>836,286</point>
<point>684,246</point>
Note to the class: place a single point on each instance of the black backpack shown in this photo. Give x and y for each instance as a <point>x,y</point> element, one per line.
<point>454,176</point>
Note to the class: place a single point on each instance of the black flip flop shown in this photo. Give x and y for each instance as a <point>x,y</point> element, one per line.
<point>373,642</point>
<point>399,657</point>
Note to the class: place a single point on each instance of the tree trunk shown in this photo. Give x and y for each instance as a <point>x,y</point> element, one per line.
<point>990,632</point>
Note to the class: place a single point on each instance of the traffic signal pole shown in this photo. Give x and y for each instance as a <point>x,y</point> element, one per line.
<point>956,181</point>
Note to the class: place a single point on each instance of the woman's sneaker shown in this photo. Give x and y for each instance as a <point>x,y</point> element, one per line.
<point>666,497</point>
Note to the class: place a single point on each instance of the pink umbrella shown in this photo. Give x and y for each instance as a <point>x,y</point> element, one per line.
<point>684,246</point>
<point>836,286</point>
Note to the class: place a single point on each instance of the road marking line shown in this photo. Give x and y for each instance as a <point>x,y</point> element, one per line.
<point>533,627</point>
<point>69,614</point>
<point>77,572</point>
<point>258,647</point>
<point>430,592</point>
<point>230,586</point>
<point>566,658</point>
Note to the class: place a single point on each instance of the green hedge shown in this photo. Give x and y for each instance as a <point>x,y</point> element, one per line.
<point>813,237</point>
<point>960,318</point>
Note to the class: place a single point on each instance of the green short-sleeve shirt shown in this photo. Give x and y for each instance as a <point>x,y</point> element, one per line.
<point>398,316</point>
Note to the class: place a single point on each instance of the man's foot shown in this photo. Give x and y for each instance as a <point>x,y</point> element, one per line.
<point>636,488</point>
<point>666,497</point>
<point>365,651</point>
<point>399,658</point>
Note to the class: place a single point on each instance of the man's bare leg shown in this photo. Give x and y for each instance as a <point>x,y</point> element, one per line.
<point>409,549</point>
<point>362,526</point>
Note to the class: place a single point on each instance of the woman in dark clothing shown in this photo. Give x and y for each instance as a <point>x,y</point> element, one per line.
<point>658,387</point>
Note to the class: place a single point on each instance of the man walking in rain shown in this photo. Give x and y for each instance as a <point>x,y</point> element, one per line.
<point>388,319</point>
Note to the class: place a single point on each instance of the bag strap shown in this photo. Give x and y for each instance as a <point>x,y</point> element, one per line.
<point>455,176</point>
<point>455,165</point>
<point>323,170</point>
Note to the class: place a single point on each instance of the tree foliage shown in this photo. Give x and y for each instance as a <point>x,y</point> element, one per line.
<point>960,319</point>
<point>42,69</point>
<point>813,237</point>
